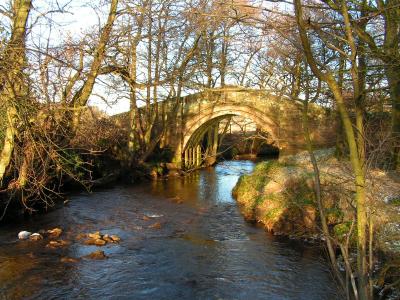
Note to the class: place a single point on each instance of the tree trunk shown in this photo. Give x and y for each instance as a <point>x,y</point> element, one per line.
<point>81,98</point>
<point>8,144</point>
<point>224,59</point>
<point>12,89</point>
<point>357,166</point>
<point>392,75</point>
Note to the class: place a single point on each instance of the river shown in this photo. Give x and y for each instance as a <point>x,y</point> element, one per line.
<point>203,250</point>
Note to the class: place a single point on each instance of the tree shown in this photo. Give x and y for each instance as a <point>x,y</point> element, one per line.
<point>12,79</point>
<point>388,51</point>
<point>354,139</point>
<point>81,98</point>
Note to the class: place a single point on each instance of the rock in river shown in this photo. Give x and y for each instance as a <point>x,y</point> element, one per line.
<point>115,238</point>
<point>95,235</point>
<point>97,255</point>
<point>23,235</point>
<point>57,244</point>
<point>69,260</point>
<point>155,226</point>
<point>54,233</point>
<point>98,239</point>
<point>36,237</point>
<point>95,242</point>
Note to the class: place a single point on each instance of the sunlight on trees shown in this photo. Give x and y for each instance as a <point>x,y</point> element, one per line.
<point>342,55</point>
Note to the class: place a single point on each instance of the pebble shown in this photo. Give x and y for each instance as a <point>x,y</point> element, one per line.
<point>95,242</point>
<point>69,260</point>
<point>115,238</point>
<point>95,235</point>
<point>154,215</point>
<point>97,255</point>
<point>81,236</point>
<point>107,238</point>
<point>24,235</point>
<point>155,226</point>
<point>99,242</point>
<point>98,239</point>
<point>56,244</point>
<point>54,233</point>
<point>36,237</point>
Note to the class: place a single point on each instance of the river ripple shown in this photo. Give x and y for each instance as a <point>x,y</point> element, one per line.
<point>204,249</point>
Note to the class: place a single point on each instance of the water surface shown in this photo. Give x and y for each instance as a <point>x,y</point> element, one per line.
<point>203,250</point>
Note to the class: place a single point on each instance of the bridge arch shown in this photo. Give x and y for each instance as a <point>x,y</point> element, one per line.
<point>220,112</point>
<point>195,127</point>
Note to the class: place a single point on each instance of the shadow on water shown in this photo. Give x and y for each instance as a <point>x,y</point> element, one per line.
<point>201,247</point>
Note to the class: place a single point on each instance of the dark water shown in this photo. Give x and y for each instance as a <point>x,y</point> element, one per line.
<point>204,249</point>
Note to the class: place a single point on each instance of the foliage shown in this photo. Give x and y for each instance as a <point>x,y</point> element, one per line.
<point>341,230</point>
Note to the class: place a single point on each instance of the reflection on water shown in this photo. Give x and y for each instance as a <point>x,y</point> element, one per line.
<point>204,249</point>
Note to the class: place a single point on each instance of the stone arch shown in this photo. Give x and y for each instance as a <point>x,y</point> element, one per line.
<point>198,122</point>
<point>225,110</point>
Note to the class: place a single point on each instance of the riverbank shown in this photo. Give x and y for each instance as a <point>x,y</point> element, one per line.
<point>280,196</point>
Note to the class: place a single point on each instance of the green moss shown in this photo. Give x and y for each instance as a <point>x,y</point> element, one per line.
<point>250,192</point>
<point>277,198</point>
<point>259,200</point>
<point>72,162</point>
<point>266,167</point>
<point>273,213</point>
<point>249,184</point>
<point>305,201</point>
<point>154,168</point>
<point>335,214</point>
<point>341,230</point>
<point>263,167</point>
<point>395,202</point>
<point>300,193</point>
<point>3,123</point>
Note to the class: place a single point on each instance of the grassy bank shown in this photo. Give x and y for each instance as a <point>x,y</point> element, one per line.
<point>280,195</point>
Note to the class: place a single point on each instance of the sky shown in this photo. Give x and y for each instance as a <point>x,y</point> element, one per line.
<point>78,17</point>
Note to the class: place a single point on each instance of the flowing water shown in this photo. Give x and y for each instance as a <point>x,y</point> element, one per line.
<point>203,249</point>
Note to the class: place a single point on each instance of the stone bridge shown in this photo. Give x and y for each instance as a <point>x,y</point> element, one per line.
<point>194,135</point>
